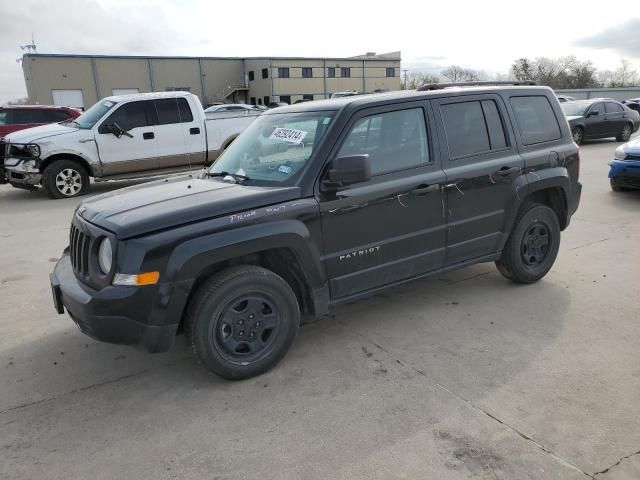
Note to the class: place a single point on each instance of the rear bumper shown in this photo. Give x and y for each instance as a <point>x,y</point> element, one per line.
<point>147,316</point>
<point>625,173</point>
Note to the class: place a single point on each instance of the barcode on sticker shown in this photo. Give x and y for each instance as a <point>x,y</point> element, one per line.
<point>290,135</point>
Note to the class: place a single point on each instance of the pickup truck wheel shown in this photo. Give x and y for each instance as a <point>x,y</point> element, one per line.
<point>532,246</point>
<point>625,134</point>
<point>242,321</point>
<point>578,135</point>
<point>65,179</point>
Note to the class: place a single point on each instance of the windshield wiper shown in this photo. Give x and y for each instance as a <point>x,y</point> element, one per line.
<point>237,177</point>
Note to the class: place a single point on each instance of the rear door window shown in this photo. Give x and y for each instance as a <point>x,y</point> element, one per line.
<point>393,140</point>
<point>173,110</point>
<point>535,118</point>
<point>613,107</point>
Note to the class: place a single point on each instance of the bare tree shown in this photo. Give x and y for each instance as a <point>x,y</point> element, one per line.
<point>414,80</point>
<point>624,76</point>
<point>455,73</point>
<point>564,72</point>
<point>19,101</point>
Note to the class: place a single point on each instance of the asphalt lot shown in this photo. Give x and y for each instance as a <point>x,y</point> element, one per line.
<point>461,376</point>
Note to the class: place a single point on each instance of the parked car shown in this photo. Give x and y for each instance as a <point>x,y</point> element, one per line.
<point>230,107</point>
<point>277,104</point>
<point>349,93</point>
<point>20,117</point>
<point>132,136</point>
<point>600,118</point>
<point>318,204</point>
<point>633,104</point>
<point>624,173</point>
<point>565,98</point>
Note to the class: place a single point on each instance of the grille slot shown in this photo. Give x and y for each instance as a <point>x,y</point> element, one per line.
<point>79,243</point>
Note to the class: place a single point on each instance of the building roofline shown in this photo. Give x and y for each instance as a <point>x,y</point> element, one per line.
<point>177,57</point>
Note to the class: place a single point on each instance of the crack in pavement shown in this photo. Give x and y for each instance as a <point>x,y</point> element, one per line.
<point>591,243</point>
<point>606,470</point>
<point>526,437</point>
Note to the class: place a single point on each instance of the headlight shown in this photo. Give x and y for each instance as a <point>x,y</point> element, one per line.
<point>105,256</point>
<point>620,154</point>
<point>33,149</point>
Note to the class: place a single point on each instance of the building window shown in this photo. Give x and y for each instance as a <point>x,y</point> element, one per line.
<point>307,72</point>
<point>265,73</point>
<point>345,72</point>
<point>283,72</point>
<point>307,97</point>
<point>252,100</point>
<point>391,72</point>
<point>331,72</point>
<point>285,99</point>
<point>267,100</point>
<point>178,89</point>
<point>252,76</point>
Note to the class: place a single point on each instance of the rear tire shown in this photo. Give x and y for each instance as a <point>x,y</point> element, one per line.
<point>533,245</point>
<point>625,134</point>
<point>242,322</point>
<point>578,135</point>
<point>65,179</point>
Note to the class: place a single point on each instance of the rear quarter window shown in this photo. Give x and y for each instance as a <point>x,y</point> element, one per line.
<point>536,120</point>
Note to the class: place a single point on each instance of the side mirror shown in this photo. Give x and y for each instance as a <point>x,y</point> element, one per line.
<point>118,131</point>
<point>345,171</point>
<point>594,112</point>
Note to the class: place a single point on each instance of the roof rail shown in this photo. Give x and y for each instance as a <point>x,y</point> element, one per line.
<point>440,86</point>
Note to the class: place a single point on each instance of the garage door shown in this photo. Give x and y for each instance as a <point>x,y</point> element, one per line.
<point>125,91</point>
<point>68,98</point>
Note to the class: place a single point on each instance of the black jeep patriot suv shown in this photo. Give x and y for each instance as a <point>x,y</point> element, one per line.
<point>321,203</point>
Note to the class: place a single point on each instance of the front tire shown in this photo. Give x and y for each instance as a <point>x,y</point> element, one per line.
<point>533,245</point>
<point>65,179</point>
<point>242,322</point>
<point>625,134</point>
<point>615,187</point>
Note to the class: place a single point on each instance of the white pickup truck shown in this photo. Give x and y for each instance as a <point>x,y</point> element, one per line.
<point>120,137</point>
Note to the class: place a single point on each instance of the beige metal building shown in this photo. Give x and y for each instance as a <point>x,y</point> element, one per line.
<point>81,80</point>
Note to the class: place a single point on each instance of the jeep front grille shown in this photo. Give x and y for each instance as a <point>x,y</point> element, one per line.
<point>79,251</point>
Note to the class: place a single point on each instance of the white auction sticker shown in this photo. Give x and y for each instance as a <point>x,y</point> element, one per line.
<point>290,135</point>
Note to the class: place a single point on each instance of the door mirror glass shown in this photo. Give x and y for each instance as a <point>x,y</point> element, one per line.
<point>594,112</point>
<point>348,170</point>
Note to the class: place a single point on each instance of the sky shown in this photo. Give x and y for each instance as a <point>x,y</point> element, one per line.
<point>483,35</point>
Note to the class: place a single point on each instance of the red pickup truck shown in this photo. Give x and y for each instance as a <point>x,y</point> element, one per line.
<point>20,117</point>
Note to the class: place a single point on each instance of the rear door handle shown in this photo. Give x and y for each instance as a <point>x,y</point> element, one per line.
<point>424,189</point>
<point>194,130</point>
<point>148,135</point>
<point>506,171</point>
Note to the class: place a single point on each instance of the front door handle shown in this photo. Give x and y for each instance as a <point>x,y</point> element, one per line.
<point>506,171</point>
<point>424,189</point>
<point>148,135</point>
<point>194,131</point>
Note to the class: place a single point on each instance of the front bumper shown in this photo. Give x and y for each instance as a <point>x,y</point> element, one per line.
<point>625,173</point>
<point>21,176</point>
<point>148,316</point>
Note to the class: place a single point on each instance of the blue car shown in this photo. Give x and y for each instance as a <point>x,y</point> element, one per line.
<point>625,168</point>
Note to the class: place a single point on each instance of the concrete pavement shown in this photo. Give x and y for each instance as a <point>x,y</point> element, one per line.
<point>461,376</point>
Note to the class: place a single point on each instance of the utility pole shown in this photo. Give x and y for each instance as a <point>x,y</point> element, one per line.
<point>404,70</point>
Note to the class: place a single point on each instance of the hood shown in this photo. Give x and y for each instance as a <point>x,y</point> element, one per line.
<point>169,203</point>
<point>33,134</point>
<point>574,117</point>
<point>632,147</point>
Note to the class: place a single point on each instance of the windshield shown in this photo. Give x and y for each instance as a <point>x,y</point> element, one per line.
<point>89,118</point>
<point>275,148</point>
<point>574,109</point>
